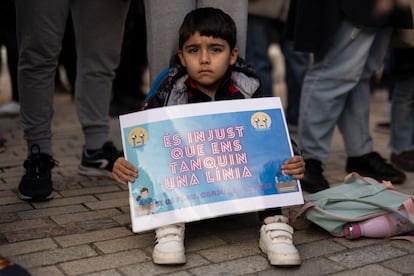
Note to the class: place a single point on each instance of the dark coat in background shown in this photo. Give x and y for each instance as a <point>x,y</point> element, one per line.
<point>312,22</point>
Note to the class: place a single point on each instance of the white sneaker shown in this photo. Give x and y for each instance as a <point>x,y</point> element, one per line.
<point>276,241</point>
<point>169,245</point>
<point>11,108</point>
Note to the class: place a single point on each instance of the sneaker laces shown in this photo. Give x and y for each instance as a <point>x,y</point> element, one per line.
<point>37,164</point>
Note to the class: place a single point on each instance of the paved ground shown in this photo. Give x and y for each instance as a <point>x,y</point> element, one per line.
<point>86,229</point>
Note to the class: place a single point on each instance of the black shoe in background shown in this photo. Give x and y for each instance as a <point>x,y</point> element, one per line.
<point>404,160</point>
<point>100,162</point>
<point>373,165</point>
<point>36,183</point>
<point>313,180</point>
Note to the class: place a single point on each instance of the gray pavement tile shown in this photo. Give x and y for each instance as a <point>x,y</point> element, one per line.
<point>105,262</point>
<point>229,252</point>
<point>369,270</point>
<point>39,233</point>
<point>367,255</point>
<point>149,268</point>
<point>111,272</point>
<point>55,256</point>
<point>46,270</point>
<point>18,248</point>
<point>317,266</point>
<point>402,264</point>
<point>319,248</point>
<point>92,236</point>
<point>125,243</point>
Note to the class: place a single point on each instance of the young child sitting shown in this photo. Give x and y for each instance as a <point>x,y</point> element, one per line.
<point>207,68</point>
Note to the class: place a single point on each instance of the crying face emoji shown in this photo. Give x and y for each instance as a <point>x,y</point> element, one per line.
<point>138,137</point>
<point>261,120</point>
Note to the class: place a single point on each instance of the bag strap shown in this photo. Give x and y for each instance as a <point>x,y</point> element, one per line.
<point>407,238</point>
<point>369,180</point>
<point>409,206</point>
<point>294,214</point>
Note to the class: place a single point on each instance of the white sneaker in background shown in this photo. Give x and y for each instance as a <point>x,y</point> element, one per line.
<point>169,245</point>
<point>276,241</point>
<point>11,108</point>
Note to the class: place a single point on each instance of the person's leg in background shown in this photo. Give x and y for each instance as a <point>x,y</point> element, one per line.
<point>402,123</point>
<point>297,63</point>
<point>98,27</point>
<point>354,121</point>
<point>40,27</point>
<point>259,37</point>
<point>325,89</point>
<point>402,110</point>
<point>127,92</point>
<point>326,101</point>
<point>354,124</point>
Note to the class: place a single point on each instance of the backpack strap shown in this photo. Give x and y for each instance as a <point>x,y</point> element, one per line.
<point>157,82</point>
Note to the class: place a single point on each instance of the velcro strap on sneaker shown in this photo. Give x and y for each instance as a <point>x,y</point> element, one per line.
<point>279,230</point>
<point>280,234</point>
<point>171,230</point>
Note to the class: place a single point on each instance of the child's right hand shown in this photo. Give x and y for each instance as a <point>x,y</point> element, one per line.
<point>124,172</point>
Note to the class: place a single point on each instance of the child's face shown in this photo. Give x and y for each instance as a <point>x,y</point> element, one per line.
<point>207,60</point>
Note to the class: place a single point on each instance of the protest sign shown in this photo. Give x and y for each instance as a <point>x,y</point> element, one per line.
<point>205,160</point>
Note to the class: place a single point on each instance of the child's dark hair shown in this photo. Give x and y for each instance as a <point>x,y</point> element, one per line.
<point>208,22</point>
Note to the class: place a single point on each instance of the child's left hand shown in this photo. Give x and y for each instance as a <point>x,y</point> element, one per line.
<point>294,166</point>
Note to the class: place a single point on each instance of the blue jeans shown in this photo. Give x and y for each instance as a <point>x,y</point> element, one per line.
<point>297,63</point>
<point>259,30</point>
<point>402,114</point>
<point>336,91</point>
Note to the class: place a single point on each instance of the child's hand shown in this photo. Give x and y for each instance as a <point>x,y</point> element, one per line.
<point>123,171</point>
<point>295,166</point>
